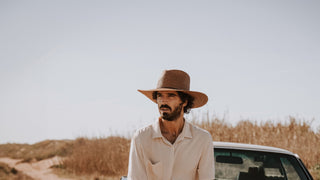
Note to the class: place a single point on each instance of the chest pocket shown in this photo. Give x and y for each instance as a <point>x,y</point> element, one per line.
<point>155,171</point>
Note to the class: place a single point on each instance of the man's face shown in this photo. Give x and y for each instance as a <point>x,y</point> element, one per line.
<point>170,105</point>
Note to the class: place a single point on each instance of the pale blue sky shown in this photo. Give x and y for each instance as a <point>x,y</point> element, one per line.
<point>72,68</point>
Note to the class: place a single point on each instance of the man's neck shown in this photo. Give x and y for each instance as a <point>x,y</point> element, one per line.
<point>172,128</point>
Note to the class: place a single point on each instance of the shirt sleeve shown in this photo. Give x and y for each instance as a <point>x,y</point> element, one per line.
<point>206,163</point>
<point>136,169</point>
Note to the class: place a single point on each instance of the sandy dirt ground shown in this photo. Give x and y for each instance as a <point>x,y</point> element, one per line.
<point>37,170</point>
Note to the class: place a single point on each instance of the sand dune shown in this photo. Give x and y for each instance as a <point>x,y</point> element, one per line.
<point>39,170</point>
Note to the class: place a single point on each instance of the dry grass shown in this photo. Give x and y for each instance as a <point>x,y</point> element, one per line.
<point>65,173</point>
<point>107,156</point>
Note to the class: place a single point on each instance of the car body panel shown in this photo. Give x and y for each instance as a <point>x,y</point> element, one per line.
<point>252,147</point>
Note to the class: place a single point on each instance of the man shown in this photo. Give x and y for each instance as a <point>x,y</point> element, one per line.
<point>172,148</point>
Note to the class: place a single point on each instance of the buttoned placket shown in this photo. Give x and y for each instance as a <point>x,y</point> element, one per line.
<point>172,148</point>
<point>171,155</point>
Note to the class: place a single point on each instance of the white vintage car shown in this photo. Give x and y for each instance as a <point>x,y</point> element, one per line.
<point>235,161</point>
<point>253,162</point>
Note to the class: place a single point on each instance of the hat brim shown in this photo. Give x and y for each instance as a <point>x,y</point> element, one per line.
<point>200,98</point>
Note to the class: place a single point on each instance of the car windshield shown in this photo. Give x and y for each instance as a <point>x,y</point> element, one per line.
<point>247,165</point>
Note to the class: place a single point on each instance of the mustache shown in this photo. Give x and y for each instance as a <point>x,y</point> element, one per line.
<point>165,106</point>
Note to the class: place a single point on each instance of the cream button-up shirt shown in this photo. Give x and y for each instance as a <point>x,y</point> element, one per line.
<point>153,157</point>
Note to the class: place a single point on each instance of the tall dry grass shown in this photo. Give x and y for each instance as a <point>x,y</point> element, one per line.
<point>104,156</point>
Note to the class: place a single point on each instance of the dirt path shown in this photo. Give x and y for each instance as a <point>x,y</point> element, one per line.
<point>37,170</point>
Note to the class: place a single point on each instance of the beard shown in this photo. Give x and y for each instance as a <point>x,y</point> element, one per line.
<point>173,115</point>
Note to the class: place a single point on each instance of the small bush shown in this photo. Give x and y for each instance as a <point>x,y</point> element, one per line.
<point>8,173</point>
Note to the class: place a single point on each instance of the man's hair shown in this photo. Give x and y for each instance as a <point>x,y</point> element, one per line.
<point>184,97</point>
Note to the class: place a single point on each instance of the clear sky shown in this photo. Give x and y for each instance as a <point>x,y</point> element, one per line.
<point>72,68</point>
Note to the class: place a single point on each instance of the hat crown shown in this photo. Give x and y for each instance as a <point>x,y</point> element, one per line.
<point>174,79</point>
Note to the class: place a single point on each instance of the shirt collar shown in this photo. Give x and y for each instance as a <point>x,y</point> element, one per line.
<point>156,130</point>
<point>186,132</point>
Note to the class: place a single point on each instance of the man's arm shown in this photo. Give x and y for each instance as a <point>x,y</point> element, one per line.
<point>136,169</point>
<point>206,163</point>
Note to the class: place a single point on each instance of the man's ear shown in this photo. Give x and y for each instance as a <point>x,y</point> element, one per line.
<point>185,103</point>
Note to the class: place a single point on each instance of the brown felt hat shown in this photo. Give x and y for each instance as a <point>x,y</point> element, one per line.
<point>177,80</point>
